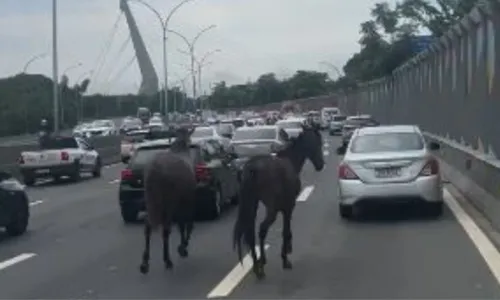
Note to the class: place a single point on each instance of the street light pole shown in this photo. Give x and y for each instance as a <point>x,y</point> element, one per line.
<point>164,26</point>
<point>191,48</point>
<point>201,64</point>
<point>55,76</point>
<point>34,58</point>
<point>332,67</point>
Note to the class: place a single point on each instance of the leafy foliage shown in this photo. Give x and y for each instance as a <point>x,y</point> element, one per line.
<point>388,39</point>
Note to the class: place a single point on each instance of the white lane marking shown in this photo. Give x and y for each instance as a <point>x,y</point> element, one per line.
<point>36,202</point>
<point>326,153</point>
<point>114,181</point>
<point>111,166</point>
<point>306,192</point>
<point>325,145</point>
<point>483,244</point>
<point>233,278</point>
<point>15,260</point>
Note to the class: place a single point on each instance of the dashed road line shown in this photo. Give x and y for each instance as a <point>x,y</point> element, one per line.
<point>33,203</point>
<point>326,153</point>
<point>15,260</point>
<point>483,244</point>
<point>114,181</point>
<point>306,192</point>
<point>233,278</point>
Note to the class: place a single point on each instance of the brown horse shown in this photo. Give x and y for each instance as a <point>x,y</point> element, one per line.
<point>275,181</point>
<point>170,185</point>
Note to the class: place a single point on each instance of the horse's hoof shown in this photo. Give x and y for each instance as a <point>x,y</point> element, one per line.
<point>287,265</point>
<point>144,268</point>
<point>260,274</point>
<point>182,251</point>
<point>169,265</point>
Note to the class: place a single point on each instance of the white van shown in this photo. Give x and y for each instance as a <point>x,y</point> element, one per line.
<point>327,114</point>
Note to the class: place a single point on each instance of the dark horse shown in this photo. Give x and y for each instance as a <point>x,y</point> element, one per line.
<point>170,184</point>
<point>275,181</point>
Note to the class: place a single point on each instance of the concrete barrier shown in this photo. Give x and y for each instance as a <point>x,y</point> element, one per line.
<point>108,148</point>
<point>475,175</point>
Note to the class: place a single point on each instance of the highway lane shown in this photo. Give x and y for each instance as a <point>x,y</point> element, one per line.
<point>82,250</point>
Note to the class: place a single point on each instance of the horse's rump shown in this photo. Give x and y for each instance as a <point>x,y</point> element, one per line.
<point>169,185</point>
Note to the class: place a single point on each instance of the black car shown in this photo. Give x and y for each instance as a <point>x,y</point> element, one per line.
<point>14,205</point>
<point>216,175</point>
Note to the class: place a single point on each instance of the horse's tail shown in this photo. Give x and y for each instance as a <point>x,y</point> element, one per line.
<point>247,210</point>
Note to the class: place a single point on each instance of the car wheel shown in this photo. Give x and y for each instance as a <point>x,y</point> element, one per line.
<point>346,211</point>
<point>435,209</point>
<point>29,180</point>
<point>19,223</point>
<point>216,204</point>
<point>75,176</point>
<point>97,169</point>
<point>129,214</point>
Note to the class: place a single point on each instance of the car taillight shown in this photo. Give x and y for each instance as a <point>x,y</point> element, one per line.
<point>64,156</point>
<point>430,168</point>
<point>346,173</point>
<point>126,175</point>
<point>202,172</point>
<point>20,159</point>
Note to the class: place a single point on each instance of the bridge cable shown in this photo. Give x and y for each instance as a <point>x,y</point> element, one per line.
<point>105,50</point>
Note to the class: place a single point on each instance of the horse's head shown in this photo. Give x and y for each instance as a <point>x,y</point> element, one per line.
<point>183,137</point>
<point>310,144</point>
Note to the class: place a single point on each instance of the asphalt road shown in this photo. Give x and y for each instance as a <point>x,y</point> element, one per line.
<point>78,248</point>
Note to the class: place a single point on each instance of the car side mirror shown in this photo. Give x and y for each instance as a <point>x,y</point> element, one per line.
<point>341,150</point>
<point>434,146</point>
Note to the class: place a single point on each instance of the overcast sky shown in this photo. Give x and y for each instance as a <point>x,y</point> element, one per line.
<point>254,36</point>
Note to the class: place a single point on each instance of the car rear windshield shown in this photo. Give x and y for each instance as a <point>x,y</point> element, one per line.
<point>387,142</point>
<point>135,136</point>
<point>290,125</point>
<point>339,118</point>
<point>143,156</point>
<point>201,132</point>
<point>256,134</point>
<point>59,143</point>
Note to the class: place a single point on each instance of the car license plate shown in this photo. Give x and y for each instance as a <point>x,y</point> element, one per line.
<point>42,171</point>
<point>388,172</point>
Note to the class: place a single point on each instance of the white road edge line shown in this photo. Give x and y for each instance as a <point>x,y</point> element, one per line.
<point>36,202</point>
<point>306,192</point>
<point>483,244</point>
<point>15,260</point>
<point>233,278</point>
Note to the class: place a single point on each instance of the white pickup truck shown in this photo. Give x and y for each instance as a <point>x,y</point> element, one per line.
<point>60,156</point>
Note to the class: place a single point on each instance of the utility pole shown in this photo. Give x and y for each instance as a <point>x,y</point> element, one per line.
<point>55,75</point>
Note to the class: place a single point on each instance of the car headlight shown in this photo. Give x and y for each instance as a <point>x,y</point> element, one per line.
<point>12,184</point>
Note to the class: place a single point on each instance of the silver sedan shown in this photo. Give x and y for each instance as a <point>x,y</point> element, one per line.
<point>389,164</point>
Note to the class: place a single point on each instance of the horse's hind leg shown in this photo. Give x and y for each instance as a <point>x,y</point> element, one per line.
<point>182,248</point>
<point>263,231</point>
<point>144,268</point>
<point>166,250</point>
<point>286,247</point>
